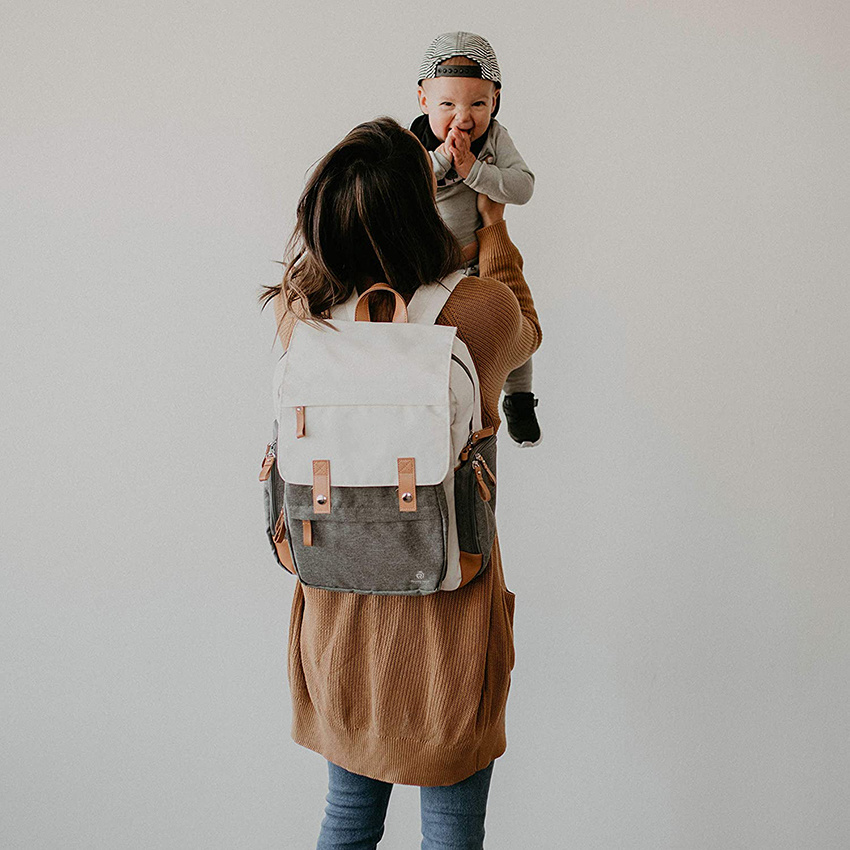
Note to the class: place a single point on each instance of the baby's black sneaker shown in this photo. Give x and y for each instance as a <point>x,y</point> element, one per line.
<point>523,427</point>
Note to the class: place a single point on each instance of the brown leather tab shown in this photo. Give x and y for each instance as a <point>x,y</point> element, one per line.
<point>266,468</point>
<point>475,437</point>
<point>487,468</point>
<point>299,422</point>
<point>483,489</point>
<point>361,310</point>
<point>407,484</point>
<point>470,566</point>
<point>280,529</point>
<point>307,527</point>
<point>321,486</point>
<point>284,555</point>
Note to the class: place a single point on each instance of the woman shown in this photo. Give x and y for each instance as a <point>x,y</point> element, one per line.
<point>403,689</point>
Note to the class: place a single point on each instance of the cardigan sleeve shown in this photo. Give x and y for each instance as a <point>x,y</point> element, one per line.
<point>508,297</point>
<point>506,300</point>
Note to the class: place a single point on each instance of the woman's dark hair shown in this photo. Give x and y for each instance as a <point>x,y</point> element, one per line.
<point>368,211</point>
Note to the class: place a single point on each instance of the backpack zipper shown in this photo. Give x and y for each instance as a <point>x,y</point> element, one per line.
<point>482,486</point>
<point>468,375</point>
<point>463,366</point>
<point>268,460</point>
<point>487,468</point>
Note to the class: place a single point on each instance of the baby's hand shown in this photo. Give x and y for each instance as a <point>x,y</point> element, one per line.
<point>444,151</point>
<point>460,146</point>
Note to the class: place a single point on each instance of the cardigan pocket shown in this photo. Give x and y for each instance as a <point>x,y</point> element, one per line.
<point>510,605</point>
<point>500,659</point>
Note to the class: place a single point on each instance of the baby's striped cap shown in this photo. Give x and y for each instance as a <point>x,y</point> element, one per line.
<point>467,44</point>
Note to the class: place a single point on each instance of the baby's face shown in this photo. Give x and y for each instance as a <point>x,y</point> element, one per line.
<point>463,102</point>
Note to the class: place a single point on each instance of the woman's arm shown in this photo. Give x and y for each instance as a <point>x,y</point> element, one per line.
<point>500,260</point>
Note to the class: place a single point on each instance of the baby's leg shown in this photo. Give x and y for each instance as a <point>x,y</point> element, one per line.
<point>518,405</point>
<point>519,381</point>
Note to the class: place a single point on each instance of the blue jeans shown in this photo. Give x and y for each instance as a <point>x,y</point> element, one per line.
<point>452,815</point>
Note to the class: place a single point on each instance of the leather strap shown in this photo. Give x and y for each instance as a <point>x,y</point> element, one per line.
<point>307,527</point>
<point>266,468</point>
<point>407,484</point>
<point>321,486</point>
<point>279,529</point>
<point>483,489</point>
<point>299,423</point>
<point>475,437</point>
<point>458,70</point>
<point>424,307</point>
<point>361,311</point>
<point>285,556</point>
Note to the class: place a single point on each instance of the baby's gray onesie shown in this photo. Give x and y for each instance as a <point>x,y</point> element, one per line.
<point>500,173</point>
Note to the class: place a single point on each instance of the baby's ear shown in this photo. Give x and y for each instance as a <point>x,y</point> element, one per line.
<point>423,99</point>
<point>495,100</point>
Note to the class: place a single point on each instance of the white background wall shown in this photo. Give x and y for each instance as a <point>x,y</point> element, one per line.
<point>678,543</point>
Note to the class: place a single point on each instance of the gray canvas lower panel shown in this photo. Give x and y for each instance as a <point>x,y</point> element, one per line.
<point>365,544</point>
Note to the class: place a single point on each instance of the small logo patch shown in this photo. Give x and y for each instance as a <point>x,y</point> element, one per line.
<point>420,574</point>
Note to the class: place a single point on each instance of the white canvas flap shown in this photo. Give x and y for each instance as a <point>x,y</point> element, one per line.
<point>368,363</point>
<point>363,444</point>
<point>384,394</point>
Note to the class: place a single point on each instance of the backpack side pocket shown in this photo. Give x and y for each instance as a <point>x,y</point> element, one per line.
<point>475,501</point>
<point>273,488</point>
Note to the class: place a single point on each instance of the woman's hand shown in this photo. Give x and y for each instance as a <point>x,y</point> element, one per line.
<point>491,212</point>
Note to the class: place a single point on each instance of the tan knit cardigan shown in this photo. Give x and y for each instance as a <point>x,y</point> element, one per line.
<point>412,689</point>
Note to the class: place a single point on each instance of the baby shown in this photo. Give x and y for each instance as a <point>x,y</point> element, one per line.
<point>459,88</point>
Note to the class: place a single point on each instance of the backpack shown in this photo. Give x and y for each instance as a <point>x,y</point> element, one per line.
<point>379,478</point>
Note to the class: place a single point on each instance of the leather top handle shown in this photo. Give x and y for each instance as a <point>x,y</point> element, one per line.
<point>361,310</point>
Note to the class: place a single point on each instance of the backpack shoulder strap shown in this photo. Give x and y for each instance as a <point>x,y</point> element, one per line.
<point>429,300</point>
<point>345,311</point>
<point>423,309</point>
